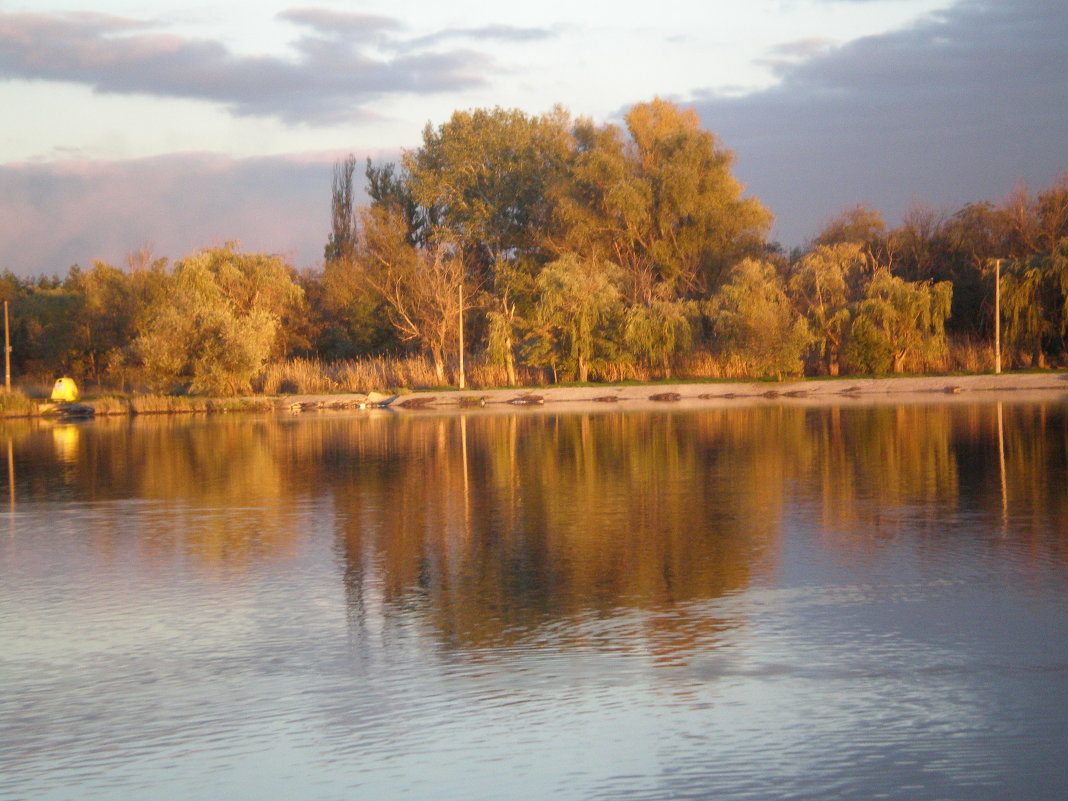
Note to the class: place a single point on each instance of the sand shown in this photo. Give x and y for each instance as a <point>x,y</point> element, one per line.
<point>911,389</point>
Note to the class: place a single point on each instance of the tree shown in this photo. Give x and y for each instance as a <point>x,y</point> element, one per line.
<point>214,327</point>
<point>824,285</point>
<point>754,323</point>
<point>657,331</point>
<point>1034,305</point>
<point>341,246</point>
<point>859,223</point>
<point>105,319</point>
<point>420,286</point>
<point>484,175</point>
<point>659,201</point>
<point>898,320</point>
<point>574,325</point>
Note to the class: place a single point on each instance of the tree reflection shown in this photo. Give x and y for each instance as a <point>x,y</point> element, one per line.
<point>490,527</point>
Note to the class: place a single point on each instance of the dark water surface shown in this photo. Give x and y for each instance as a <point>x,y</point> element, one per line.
<point>749,603</point>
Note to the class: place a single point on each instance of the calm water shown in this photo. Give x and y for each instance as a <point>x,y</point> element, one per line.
<point>746,603</point>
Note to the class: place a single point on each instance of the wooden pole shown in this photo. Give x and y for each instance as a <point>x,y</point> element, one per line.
<point>462,381</point>
<point>7,351</point>
<point>997,316</point>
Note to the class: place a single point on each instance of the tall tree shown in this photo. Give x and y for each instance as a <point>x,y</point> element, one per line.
<point>484,177</point>
<point>421,287</point>
<point>659,200</point>
<point>341,246</point>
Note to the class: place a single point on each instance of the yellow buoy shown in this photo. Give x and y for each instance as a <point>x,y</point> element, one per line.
<point>65,390</point>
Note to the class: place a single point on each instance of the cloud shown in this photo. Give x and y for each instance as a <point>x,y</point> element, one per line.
<point>342,62</point>
<point>62,213</point>
<point>955,108</point>
<point>502,33</point>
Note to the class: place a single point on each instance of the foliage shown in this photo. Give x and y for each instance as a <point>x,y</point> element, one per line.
<point>16,404</point>
<point>824,285</point>
<point>1034,305</point>
<point>755,323</point>
<point>579,249</point>
<point>485,174</point>
<point>421,287</point>
<point>657,332</point>
<point>575,323</point>
<point>218,321</point>
<point>660,202</point>
<point>898,320</point>
<point>342,243</point>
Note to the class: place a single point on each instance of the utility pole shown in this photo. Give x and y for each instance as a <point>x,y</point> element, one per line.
<point>7,351</point>
<point>462,382</point>
<point>997,316</point>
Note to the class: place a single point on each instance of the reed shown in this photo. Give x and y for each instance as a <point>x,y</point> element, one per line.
<point>16,403</point>
<point>109,405</point>
<point>298,376</point>
<point>968,355</point>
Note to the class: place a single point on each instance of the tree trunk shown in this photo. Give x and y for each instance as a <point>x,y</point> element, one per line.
<point>439,366</point>
<point>831,358</point>
<point>509,364</point>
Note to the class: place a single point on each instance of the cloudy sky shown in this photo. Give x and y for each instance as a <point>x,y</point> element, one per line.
<point>182,125</point>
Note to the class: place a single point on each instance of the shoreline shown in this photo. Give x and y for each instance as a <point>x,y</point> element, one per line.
<point>685,394</point>
<point>682,394</point>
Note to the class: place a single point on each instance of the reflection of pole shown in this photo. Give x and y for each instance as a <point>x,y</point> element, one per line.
<point>1001,462</point>
<point>467,500</point>
<point>997,317</point>
<point>11,486</point>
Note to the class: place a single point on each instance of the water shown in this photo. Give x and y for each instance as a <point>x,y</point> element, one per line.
<point>749,603</point>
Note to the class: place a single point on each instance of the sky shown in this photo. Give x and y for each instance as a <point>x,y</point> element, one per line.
<point>177,126</point>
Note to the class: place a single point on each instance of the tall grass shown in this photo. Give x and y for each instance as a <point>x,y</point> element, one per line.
<point>185,404</point>
<point>379,373</point>
<point>16,404</point>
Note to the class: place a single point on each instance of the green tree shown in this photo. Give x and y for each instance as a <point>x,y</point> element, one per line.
<point>897,321</point>
<point>755,324</point>
<point>217,322</point>
<point>823,288</point>
<point>654,333</point>
<point>484,176</point>
<point>1034,305</point>
<point>574,325</point>
<point>659,200</point>
<point>341,245</point>
<point>105,320</point>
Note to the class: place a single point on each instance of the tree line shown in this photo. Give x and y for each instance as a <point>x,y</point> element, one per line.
<point>570,250</point>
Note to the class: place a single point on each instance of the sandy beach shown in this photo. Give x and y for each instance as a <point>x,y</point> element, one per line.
<point>1017,386</point>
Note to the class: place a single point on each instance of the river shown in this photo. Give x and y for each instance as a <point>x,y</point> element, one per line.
<point>761,602</point>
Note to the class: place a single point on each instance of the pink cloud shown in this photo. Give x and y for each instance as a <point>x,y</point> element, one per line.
<point>62,213</point>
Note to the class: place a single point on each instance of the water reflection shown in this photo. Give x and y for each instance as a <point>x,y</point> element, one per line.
<point>755,602</point>
<point>489,525</point>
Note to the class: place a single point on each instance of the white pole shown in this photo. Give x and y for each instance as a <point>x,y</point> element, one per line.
<point>462,382</point>
<point>7,351</point>
<point>997,316</point>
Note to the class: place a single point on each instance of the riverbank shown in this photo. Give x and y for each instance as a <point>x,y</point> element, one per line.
<point>697,394</point>
<point>906,388</point>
